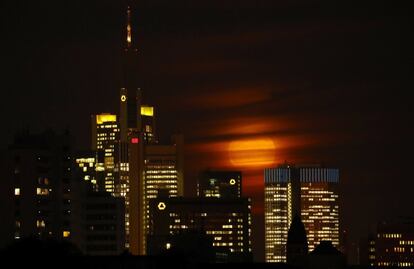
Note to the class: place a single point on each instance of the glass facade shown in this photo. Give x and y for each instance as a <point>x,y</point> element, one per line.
<point>316,200</point>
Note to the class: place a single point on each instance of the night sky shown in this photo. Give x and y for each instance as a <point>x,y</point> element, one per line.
<point>249,83</point>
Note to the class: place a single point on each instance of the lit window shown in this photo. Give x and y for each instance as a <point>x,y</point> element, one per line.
<point>66,233</point>
<point>42,191</point>
<point>16,191</point>
<point>40,223</point>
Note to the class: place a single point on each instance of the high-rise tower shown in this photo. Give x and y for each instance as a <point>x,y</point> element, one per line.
<point>130,94</point>
<point>129,114</point>
<point>146,167</point>
<point>312,193</point>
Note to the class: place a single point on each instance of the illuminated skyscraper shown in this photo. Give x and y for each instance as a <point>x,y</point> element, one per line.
<point>320,205</point>
<point>105,141</point>
<point>142,167</point>
<point>220,184</point>
<point>158,170</point>
<point>310,191</point>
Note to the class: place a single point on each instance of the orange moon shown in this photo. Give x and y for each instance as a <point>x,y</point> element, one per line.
<point>255,152</point>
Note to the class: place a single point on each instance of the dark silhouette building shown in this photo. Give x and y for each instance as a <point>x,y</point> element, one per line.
<point>39,188</point>
<point>366,251</point>
<point>326,256</point>
<point>297,243</point>
<point>393,244</point>
<point>190,246</point>
<point>220,184</point>
<point>99,228</point>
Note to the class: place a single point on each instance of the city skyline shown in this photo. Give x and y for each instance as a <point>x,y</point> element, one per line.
<point>300,87</point>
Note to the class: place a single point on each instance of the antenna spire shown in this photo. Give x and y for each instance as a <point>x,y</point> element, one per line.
<point>129,29</point>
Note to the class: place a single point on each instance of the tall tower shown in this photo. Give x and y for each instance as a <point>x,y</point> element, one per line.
<point>130,96</point>
<point>312,193</point>
<point>146,167</point>
<point>129,114</point>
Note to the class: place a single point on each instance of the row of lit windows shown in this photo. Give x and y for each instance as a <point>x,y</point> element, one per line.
<point>400,264</point>
<point>405,242</point>
<point>153,167</point>
<point>171,171</point>
<point>107,126</point>
<point>161,176</point>
<point>85,160</point>
<point>390,235</point>
<point>219,232</point>
<point>149,182</point>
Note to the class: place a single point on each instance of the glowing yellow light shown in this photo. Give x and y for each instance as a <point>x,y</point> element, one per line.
<point>42,191</point>
<point>168,246</point>
<point>123,98</point>
<point>232,181</point>
<point>102,118</point>
<point>147,111</point>
<point>66,233</point>
<point>129,38</point>
<point>252,152</point>
<point>161,206</point>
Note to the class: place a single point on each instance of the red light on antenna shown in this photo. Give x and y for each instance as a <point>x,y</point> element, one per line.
<point>134,140</point>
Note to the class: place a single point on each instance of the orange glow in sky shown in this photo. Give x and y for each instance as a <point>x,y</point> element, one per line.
<point>252,152</point>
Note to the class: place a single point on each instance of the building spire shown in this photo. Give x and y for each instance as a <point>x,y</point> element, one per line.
<point>128,28</point>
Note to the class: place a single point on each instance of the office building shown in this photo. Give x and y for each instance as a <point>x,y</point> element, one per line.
<point>40,168</point>
<point>158,169</point>
<point>101,230</point>
<point>227,221</point>
<point>105,141</point>
<point>311,192</point>
<point>220,184</point>
<point>393,245</point>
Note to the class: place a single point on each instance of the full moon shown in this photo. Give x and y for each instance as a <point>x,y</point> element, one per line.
<point>258,152</point>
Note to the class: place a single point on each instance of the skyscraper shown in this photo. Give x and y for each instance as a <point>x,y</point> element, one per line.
<point>105,141</point>
<point>157,170</point>
<point>130,93</point>
<point>310,191</point>
<point>136,167</point>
